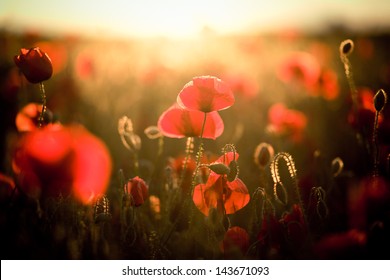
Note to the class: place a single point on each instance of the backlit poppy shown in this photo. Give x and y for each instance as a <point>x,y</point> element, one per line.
<point>58,160</point>
<point>300,68</point>
<point>136,190</point>
<point>226,196</point>
<point>35,65</point>
<point>206,94</point>
<point>177,122</point>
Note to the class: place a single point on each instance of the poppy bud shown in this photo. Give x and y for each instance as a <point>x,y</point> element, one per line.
<point>263,154</point>
<point>346,47</point>
<point>152,132</point>
<point>102,210</point>
<point>380,100</point>
<point>35,65</point>
<point>219,168</point>
<point>233,166</point>
<point>137,189</point>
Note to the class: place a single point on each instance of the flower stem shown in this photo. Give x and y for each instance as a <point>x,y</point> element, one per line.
<point>44,108</point>
<point>199,155</point>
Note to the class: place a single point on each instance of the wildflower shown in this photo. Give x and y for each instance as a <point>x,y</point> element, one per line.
<point>242,84</point>
<point>344,245</point>
<point>177,122</point>
<point>301,68</point>
<point>220,193</point>
<point>365,115</point>
<point>58,160</point>
<point>136,190</point>
<point>206,94</point>
<point>235,239</point>
<point>286,122</point>
<point>295,227</point>
<point>34,64</point>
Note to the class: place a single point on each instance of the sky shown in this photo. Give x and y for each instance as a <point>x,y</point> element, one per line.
<point>177,18</point>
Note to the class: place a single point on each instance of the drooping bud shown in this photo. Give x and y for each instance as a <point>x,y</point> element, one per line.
<point>129,139</point>
<point>233,174</point>
<point>337,166</point>
<point>152,132</point>
<point>219,168</point>
<point>380,100</point>
<point>346,47</point>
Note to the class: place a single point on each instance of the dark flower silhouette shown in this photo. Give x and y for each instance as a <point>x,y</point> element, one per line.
<point>35,65</point>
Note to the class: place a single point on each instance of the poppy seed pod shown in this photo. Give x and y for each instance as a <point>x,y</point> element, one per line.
<point>35,65</point>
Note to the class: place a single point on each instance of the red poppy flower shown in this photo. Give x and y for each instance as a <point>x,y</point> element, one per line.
<point>177,122</point>
<point>218,192</point>
<point>271,237</point>
<point>137,190</point>
<point>295,226</point>
<point>342,245</point>
<point>185,178</point>
<point>58,160</point>
<point>242,84</point>
<point>300,67</point>
<point>27,118</point>
<point>206,94</point>
<point>365,115</point>
<point>235,238</point>
<point>286,122</point>
<point>328,86</point>
<point>7,187</point>
<point>34,64</point>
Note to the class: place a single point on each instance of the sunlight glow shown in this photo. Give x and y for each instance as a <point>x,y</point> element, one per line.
<point>172,18</point>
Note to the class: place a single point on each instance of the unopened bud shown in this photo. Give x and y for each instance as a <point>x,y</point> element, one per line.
<point>346,47</point>
<point>263,154</point>
<point>219,168</point>
<point>380,99</point>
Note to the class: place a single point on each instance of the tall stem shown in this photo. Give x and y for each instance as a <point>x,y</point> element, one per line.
<point>199,155</point>
<point>44,108</point>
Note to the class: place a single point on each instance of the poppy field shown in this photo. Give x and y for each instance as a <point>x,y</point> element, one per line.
<point>268,146</point>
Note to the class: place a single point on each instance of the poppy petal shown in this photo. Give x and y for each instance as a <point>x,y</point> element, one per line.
<point>177,122</point>
<point>238,198</point>
<point>206,94</point>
